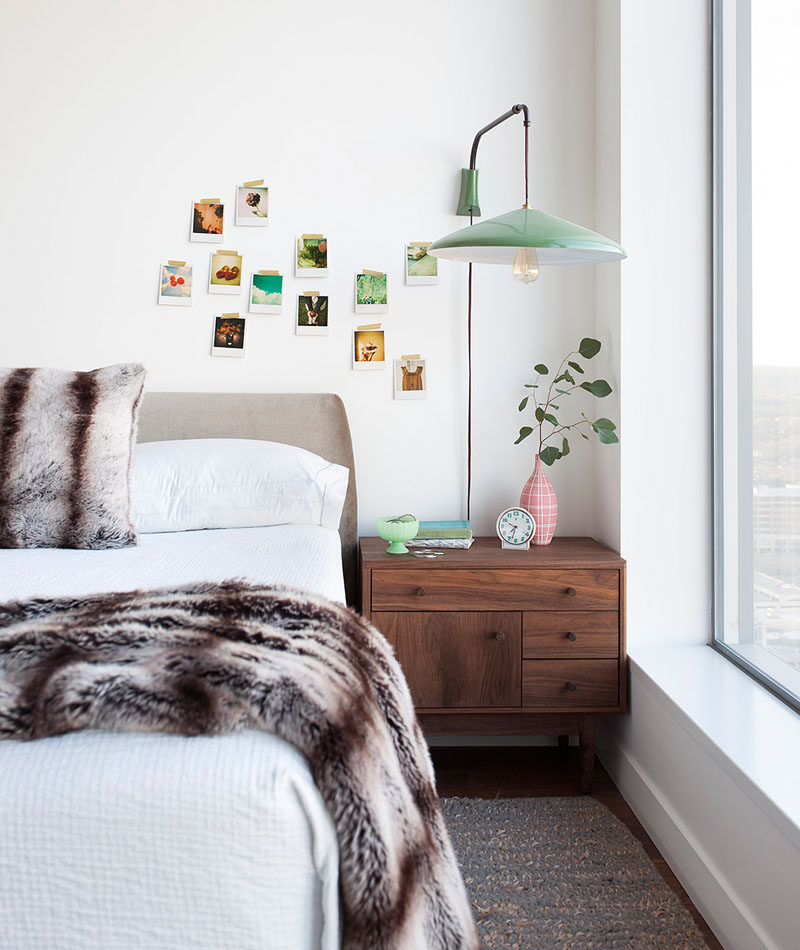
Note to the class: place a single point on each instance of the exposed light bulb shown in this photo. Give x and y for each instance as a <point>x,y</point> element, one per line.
<point>526,265</point>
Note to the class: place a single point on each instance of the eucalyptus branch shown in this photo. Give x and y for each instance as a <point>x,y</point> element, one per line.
<point>543,411</point>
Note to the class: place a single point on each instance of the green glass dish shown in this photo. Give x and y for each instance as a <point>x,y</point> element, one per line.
<point>397,529</point>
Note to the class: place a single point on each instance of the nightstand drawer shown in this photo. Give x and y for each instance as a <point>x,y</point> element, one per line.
<point>570,633</point>
<point>466,589</point>
<point>457,659</point>
<point>570,684</point>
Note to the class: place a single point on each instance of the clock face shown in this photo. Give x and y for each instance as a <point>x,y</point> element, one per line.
<point>515,526</point>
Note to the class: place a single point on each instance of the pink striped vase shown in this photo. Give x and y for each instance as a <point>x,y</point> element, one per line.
<point>539,498</point>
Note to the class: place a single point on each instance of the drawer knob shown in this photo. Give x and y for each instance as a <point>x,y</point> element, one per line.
<point>571,591</point>
<point>572,636</point>
<point>421,592</point>
<point>499,635</point>
<point>572,687</point>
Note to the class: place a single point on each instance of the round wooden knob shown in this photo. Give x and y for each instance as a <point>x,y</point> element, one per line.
<point>572,636</point>
<point>571,591</point>
<point>499,635</point>
<point>572,687</point>
<point>421,592</point>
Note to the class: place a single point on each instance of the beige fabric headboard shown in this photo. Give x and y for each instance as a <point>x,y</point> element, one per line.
<point>313,421</point>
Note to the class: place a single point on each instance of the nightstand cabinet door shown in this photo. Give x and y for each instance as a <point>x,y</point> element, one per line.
<point>457,660</point>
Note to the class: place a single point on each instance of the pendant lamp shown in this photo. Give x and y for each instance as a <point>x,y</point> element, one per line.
<point>525,238</point>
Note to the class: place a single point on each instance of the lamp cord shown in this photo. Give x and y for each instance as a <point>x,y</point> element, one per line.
<point>526,124</point>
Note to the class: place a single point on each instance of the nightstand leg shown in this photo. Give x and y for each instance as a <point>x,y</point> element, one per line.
<point>586,740</point>
<point>563,744</point>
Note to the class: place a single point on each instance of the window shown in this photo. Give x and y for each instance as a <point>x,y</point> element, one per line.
<point>757,339</point>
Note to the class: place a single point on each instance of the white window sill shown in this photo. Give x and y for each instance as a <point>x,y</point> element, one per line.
<point>748,732</point>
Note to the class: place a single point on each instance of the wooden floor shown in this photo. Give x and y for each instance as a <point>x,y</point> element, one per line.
<point>540,771</point>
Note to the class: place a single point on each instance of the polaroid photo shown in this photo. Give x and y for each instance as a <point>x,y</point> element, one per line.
<point>228,339</point>
<point>266,292</point>
<point>368,349</point>
<point>312,314</point>
<point>225,273</point>
<point>252,206</point>
<point>372,292</point>
<point>410,378</point>
<point>421,268</point>
<point>207,221</point>
<point>175,284</point>
<point>311,256</point>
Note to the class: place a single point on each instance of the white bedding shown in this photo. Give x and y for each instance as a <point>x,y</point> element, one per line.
<point>306,556</point>
<point>118,841</point>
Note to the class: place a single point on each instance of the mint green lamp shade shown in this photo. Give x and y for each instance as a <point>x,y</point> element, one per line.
<point>498,240</point>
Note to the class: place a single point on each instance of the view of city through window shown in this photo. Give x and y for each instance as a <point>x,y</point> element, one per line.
<point>775,37</point>
<point>776,510</point>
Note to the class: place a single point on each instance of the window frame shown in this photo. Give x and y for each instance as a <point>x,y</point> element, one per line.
<point>732,349</point>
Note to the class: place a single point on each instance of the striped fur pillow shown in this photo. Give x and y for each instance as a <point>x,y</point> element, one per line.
<point>66,441</point>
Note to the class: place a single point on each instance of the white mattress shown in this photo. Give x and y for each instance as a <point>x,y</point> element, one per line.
<point>306,556</point>
<point>122,841</point>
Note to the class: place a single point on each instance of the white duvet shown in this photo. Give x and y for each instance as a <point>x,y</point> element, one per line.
<point>124,841</point>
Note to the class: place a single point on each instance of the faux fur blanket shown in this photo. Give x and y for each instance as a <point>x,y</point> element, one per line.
<point>209,659</point>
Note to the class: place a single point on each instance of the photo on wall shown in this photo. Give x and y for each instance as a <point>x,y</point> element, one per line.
<point>175,284</point>
<point>207,221</point>
<point>266,292</point>
<point>421,268</point>
<point>312,314</point>
<point>225,273</point>
<point>368,348</point>
<point>410,377</point>
<point>311,256</point>
<point>372,292</point>
<point>252,206</point>
<point>228,339</point>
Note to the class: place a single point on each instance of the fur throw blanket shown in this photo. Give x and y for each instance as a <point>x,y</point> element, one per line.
<point>209,659</point>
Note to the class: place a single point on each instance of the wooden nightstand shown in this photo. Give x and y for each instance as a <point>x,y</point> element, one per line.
<point>497,642</point>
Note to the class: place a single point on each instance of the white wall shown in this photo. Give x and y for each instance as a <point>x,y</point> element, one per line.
<point>359,116</point>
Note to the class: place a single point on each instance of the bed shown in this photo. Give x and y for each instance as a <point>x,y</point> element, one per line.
<point>122,840</point>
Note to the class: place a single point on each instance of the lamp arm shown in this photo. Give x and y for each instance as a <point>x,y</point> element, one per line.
<point>514,110</point>
<point>468,202</point>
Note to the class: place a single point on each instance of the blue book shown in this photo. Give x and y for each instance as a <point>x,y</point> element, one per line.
<point>444,529</point>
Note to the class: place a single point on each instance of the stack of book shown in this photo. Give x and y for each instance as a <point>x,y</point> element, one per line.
<point>442,534</point>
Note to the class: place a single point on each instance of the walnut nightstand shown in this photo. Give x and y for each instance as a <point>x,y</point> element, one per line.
<point>501,643</point>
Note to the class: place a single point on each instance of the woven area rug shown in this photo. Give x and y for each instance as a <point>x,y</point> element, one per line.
<point>562,873</point>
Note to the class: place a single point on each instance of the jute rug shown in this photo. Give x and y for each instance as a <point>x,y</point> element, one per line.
<point>562,873</point>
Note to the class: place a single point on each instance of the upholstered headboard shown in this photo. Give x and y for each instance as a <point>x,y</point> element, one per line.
<point>313,421</point>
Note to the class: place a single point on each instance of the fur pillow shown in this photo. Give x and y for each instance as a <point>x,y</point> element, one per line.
<point>66,441</point>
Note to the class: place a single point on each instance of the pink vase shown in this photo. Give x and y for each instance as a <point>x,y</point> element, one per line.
<point>539,498</point>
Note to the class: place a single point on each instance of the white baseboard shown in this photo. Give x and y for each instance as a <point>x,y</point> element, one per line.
<point>704,882</point>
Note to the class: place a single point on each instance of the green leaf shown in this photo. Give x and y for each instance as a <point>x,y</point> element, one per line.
<point>589,347</point>
<point>523,404</point>
<point>604,424</point>
<point>549,455</point>
<point>564,448</point>
<point>569,377</point>
<point>575,366</point>
<point>559,378</point>
<point>531,386</point>
<point>583,435</point>
<point>597,388</point>
<point>563,392</point>
<point>541,369</point>
<point>553,405</point>
<point>539,414</point>
<point>524,432</point>
<point>607,437</point>
<point>549,417</point>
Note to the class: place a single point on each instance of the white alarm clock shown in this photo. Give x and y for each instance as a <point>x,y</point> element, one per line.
<point>515,528</point>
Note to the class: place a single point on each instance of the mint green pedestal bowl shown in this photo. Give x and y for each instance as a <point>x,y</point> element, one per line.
<point>397,529</point>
